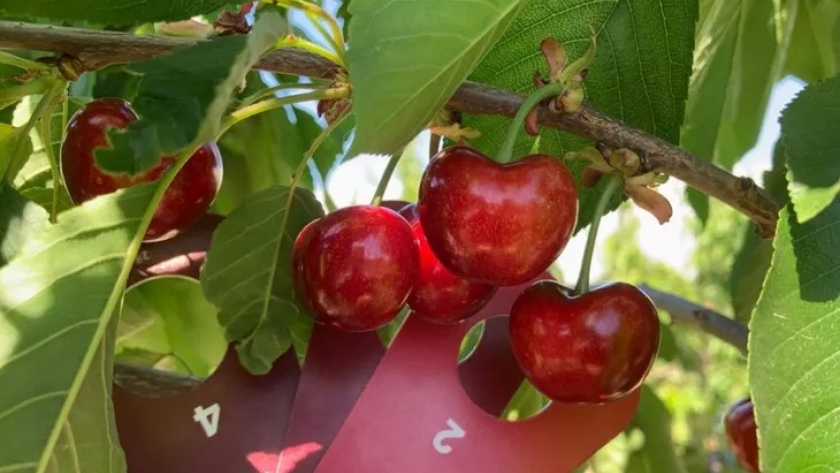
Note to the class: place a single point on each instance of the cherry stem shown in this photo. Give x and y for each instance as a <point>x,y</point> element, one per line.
<point>553,89</point>
<point>434,145</point>
<point>386,178</point>
<point>33,87</point>
<point>47,141</point>
<point>17,61</point>
<point>613,182</point>
<point>271,90</point>
<point>277,102</point>
<point>292,41</point>
<point>336,45</point>
<point>43,112</point>
<point>311,10</point>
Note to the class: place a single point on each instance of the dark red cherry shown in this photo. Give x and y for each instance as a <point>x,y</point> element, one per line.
<point>497,224</point>
<point>186,199</point>
<point>742,434</point>
<point>355,268</point>
<point>439,296</point>
<point>592,348</point>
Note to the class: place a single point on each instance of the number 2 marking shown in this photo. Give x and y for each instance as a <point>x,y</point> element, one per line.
<point>208,418</point>
<point>453,432</point>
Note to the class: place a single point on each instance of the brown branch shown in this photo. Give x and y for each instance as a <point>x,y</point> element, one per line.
<point>152,382</point>
<point>97,49</point>
<point>685,312</point>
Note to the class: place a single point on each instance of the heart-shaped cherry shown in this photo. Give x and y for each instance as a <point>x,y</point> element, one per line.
<point>592,348</point>
<point>497,224</point>
<point>742,435</point>
<point>440,296</point>
<point>186,199</point>
<point>355,268</point>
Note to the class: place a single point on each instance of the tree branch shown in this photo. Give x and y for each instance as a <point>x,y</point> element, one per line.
<point>684,312</point>
<point>152,382</point>
<point>96,49</point>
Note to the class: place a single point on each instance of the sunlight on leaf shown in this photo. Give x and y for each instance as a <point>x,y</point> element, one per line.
<point>89,438</point>
<point>408,58</point>
<point>809,134</point>
<point>56,299</point>
<point>183,95</point>
<point>793,357</point>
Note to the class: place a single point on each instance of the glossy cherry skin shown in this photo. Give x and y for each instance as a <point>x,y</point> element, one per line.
<point>439,296</point>
<point>355,268</point>
<point>497,224</point>
<point>589,349</point>
<point>742,435</point>
<point>186,199</point>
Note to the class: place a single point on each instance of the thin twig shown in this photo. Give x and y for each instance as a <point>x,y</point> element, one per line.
<point>685,312</point>
<point>95,49</point>
<point>152,382</point>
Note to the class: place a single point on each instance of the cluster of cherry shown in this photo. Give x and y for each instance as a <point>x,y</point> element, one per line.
<point>478,225</point>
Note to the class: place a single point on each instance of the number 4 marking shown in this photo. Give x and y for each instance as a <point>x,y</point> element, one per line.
<point>453,432</point>
<point>208,418</point>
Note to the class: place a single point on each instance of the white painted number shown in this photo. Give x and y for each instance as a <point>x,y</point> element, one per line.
<point>208,418</point>
<point>453,432</point>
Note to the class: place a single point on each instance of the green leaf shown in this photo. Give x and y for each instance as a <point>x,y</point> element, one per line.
<point>43,196</point>
<point>753,259</point>
<point>408,58</point>
<point>793,351</point>
<point>265,150</point>
<point>700,203</point>
<point>657,453</point>
<point>640,73</point>
<point>812,146</point>
<point>737,63</point>
<point>109,12</point>
<point>526,402</point>
<point>813,51</point>
<point>55,302</point>
<point>748,272</point>
<point>171,316</point>
<point>248,272</point>
<point>15,148</point>
<point>142,357</point>
<point>183,95</point>
<point>20,221</point>
<point>669,350</point>
<point>89,439</point>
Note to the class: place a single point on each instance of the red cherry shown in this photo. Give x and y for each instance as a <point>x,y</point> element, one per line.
<point>186,199</point>
<point>354,268</point>
<point>741,433</point>
<point>498,224</point>
<point>593,348</point>
<point>439,296</point>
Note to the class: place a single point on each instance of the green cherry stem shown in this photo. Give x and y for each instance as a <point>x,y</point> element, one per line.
<point>386,178</point>
<point>292,41</point>
<point>313,12</point>
<point>288,86</point>
<point>17,61</point>
<point>553,89</point>
<point>46,138</point>
<point>613,182</point>
<point>277,102</point>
